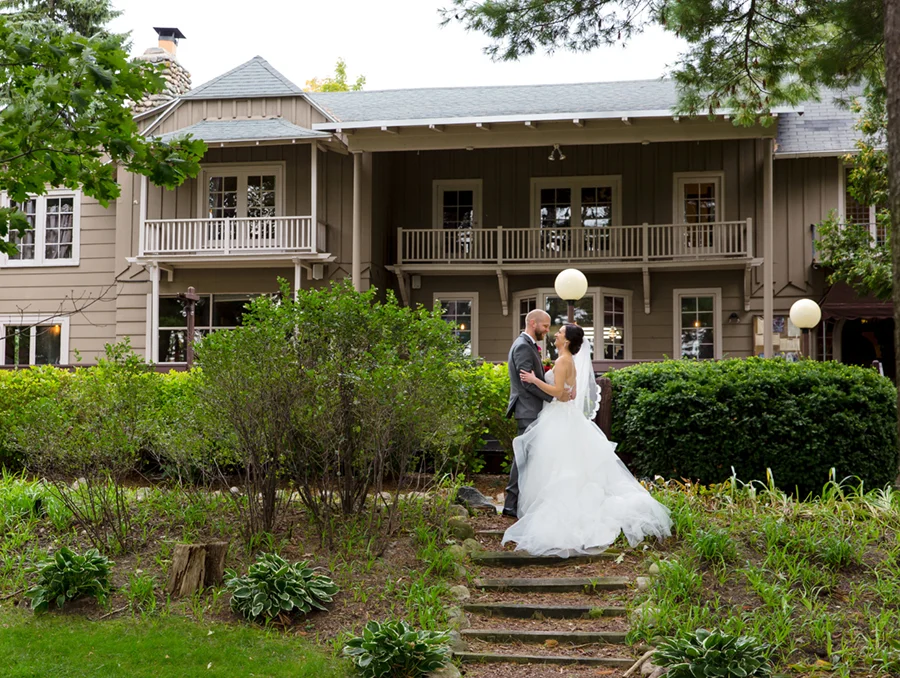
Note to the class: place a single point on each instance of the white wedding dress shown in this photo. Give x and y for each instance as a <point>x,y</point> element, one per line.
<point>575,495</point>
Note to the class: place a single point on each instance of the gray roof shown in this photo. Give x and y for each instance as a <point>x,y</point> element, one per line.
<point>825,128</point>
<point>444,103</point>
<point>270,129</point>
<point>254,78</point>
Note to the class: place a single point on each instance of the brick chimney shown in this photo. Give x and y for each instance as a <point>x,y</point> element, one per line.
<point>177,79</point>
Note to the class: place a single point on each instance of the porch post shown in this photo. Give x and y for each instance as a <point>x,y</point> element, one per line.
<point>152,331</point>
<point>298,277</point>
<point>142,218</point>
<point>768,251</point>
<point>314,192</point>
<point>356,260</point>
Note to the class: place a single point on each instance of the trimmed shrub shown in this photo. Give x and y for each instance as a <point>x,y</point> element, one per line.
<point>19,388</point>
<point>486,399</point>
<point>700,420</point>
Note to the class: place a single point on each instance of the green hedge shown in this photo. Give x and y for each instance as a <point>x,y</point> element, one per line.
<point>18,389</point>
<point>697,420</point>
<point>34,391</point>
<point>487,397</point>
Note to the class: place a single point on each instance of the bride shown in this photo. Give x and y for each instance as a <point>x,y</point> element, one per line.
<point>575,495</point>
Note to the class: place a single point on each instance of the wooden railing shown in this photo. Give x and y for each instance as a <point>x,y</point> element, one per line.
<point>253,235</point>
<point>647,242</point>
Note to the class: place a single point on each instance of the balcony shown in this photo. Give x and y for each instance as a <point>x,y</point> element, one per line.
<point>255,237</point>
<point>627,246</point>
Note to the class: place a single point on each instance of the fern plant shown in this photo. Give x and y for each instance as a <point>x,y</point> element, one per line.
<point>68,576</point>
<point>711,654</point>
<point>394,650</point>
<point>273,586</point>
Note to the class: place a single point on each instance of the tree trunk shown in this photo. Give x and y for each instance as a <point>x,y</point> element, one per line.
<point>195,567</point>
<point>892,79</point>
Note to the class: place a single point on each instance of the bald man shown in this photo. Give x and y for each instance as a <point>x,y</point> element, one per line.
<point>525,400</point>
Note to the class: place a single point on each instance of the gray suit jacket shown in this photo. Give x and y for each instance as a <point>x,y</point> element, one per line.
<point>525,400</point>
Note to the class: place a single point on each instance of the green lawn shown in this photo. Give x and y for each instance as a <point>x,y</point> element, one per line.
<point>67,645</point>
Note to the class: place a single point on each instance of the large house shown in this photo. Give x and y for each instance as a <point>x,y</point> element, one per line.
<point>690,231</point>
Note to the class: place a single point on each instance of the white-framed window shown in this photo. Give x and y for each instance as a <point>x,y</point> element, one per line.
<point>457,203</point>
<point>34,340</point>
<point>589,202</point>
<point>242,191</point>
<point>461,310</point>
<point>212,312</point>
<point>562,203</point>
<point>697,323</point>
<point>853,211</point>
<point>699,201</point>
<point>611,340</point>
<point>55,235</point>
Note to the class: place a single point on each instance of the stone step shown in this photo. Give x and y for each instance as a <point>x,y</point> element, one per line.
<point>485,657</point>
<point>540,637</point>
<point>525,611</point>
<point>522,559</point>
<point>554,584</point>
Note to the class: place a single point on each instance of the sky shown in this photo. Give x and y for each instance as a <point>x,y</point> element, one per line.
<point>393,43</point>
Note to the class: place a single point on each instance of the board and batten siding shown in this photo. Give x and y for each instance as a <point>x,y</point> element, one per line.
<point>296,110</point>
<point>647,176</point>
<point>652,334</point>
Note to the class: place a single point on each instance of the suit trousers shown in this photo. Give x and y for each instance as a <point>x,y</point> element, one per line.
<point>511,504</point>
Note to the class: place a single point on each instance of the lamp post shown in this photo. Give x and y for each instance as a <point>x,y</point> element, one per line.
<point>570,285</point>
<point>805,314</point>
<point>189,299</point>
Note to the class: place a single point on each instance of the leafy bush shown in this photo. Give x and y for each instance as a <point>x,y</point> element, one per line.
<point>108,417</point>
<point>273,586</point>
<point>336,391</point>
<point>486,398</point>
<point>394,650</point>
<point>700,420</point>
<point>713,654</point>
<point>68,576</point>
<point>19,388</point>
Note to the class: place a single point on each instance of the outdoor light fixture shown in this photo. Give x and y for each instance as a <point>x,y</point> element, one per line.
<point>571,285</point>
<point>556,154</point>
<point>734,318</point>
<point>805,314</point>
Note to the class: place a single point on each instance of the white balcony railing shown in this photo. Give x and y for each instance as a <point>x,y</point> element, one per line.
<point>644,243</point>
<point>255,235</point>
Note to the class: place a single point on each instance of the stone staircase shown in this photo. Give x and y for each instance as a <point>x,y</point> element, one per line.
<point>527,614</point>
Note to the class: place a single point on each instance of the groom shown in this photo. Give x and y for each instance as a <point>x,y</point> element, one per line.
<point>525,400</point>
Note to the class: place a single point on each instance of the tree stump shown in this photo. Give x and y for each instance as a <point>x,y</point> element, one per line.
<point>195,567</point>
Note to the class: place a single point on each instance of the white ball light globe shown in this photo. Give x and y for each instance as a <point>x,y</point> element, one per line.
<point>805,314</point>
<point>571,284</point>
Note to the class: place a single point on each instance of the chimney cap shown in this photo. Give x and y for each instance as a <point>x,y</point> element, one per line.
<point>169,33</point>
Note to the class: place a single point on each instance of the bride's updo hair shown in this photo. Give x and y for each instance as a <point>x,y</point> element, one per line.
<point>575,337</point>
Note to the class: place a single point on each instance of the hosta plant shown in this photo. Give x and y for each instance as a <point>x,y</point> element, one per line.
<point>67,576</point>
<point>711,654</point>
<point>273,586</point>
<point>393,649</point>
